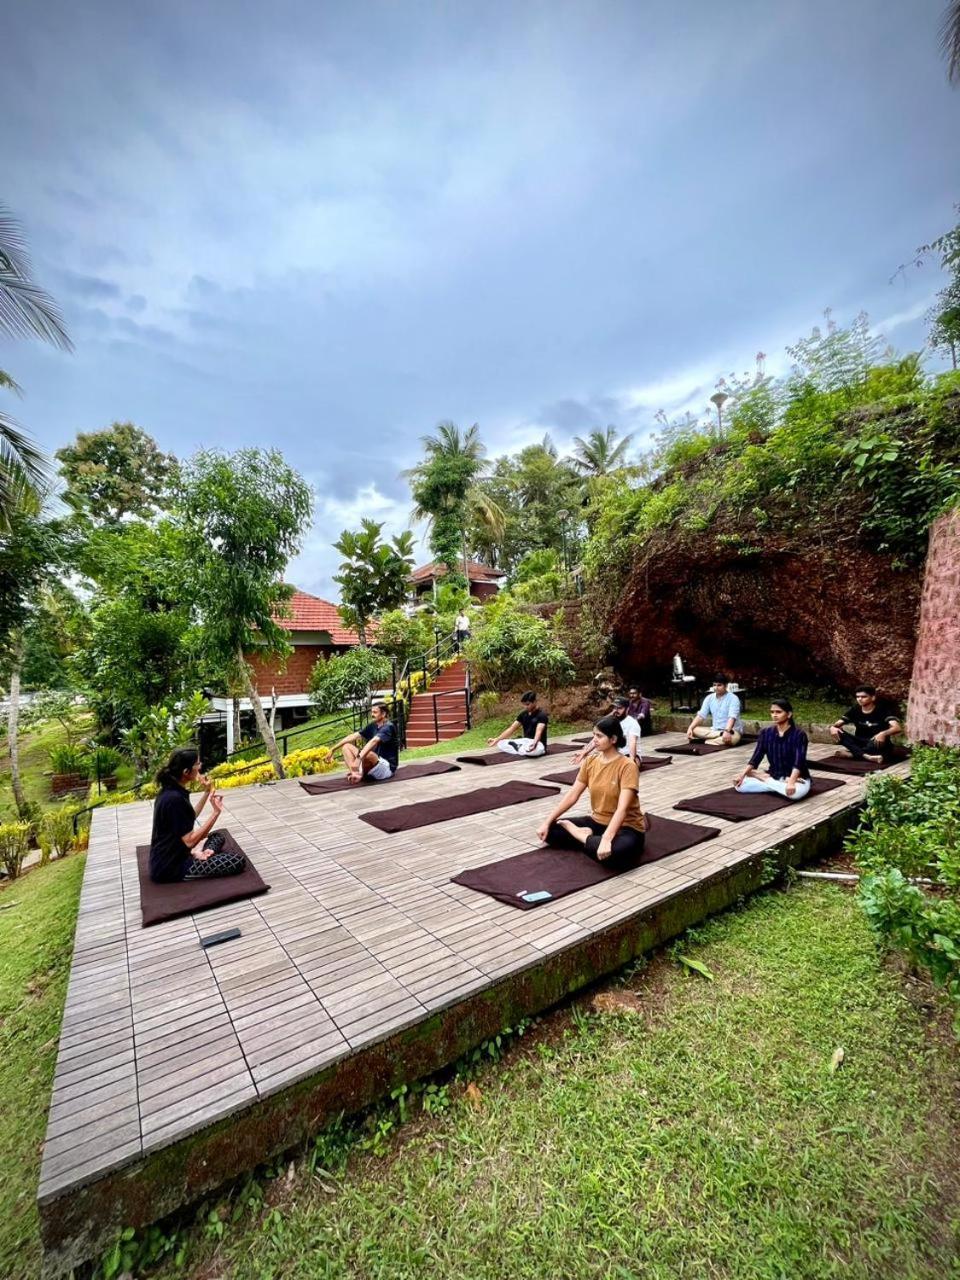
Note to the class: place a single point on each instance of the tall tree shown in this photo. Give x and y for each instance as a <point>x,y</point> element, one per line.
<point>30,554</point>
<point>601,452</point>
<point>950,40</point>
<point>26,311</point>
<point>244,516</point>
<point>374,574</point>
<point>447,493</point>
<point>115,473</point>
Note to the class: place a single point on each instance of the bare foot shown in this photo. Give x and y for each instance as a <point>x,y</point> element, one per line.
<point>874,759</point>
<point>579,833</point>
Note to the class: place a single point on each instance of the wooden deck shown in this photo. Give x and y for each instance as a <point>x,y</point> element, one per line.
<point>361,936</point>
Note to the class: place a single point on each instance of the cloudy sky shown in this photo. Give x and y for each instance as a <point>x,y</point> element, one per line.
<point>326,226</point>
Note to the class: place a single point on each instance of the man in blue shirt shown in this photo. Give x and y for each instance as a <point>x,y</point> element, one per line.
<point>378,758</point>
<point>722,709</point>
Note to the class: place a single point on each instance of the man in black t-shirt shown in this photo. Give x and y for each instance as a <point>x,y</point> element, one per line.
<point>874,720</point>
<point>378,758</point>
<point>531,723</point>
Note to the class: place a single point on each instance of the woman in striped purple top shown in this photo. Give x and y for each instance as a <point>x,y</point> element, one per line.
<point>785,747</point>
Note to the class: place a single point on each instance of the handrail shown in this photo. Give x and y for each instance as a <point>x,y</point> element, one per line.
<point>255,764</point>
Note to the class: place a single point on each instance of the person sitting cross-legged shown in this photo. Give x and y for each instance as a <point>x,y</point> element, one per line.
<point>179,849</point>
<point>614,831</point>
<point>874,721</point>
<point>640,708</point>
<point>377,759</point>
<point>785,748</point>
<point>722,709</point>
<point>631,733</point>
<point>527,736</point>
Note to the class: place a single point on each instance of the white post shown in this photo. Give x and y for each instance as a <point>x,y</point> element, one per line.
<point>230,742</point>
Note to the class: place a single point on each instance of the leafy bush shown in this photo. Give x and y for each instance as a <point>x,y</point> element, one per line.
<point>55,832</point>
<point>484,704</point>
<point>346,679</point>
<point>14,846</point>
<point>513,647</point>
<point>911,828</point>
<point>152,738</point>
<point>402,637</point>
<point>65,758</point>
<point>298,764</point>
<point>104,762</point>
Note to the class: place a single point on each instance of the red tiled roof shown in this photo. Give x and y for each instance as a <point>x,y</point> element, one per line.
<point>310,613</point>
<point>477,572</point>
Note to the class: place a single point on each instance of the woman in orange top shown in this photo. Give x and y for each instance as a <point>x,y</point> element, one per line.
<point>614,832</point>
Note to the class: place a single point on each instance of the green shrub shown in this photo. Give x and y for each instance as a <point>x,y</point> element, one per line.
<point>346,679</point>
<point>104,762</point>
<point>911,829</point>
<point>484,704</point>
<point>65,758</point>
<point>14,846</point>
<point>513,647</point>
<point>55,832</point>
<point>402,637</point>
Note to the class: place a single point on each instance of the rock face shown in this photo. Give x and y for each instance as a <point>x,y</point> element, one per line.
<point>773,619</point>
<point>933,714</point>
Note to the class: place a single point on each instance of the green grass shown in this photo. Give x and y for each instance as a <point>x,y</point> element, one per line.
<point>476,738</point>
<point>704,1136</point>
<point>37,916</point>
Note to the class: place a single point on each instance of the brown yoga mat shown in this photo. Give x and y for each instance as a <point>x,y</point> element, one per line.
<point>501,757</point>
<point>846,764</point>
<point>403,774</point>
<point>735,807</point>
<point>569,776</point>
<point>409,816</point>
<point>167,901</point>
<point>563,871</point>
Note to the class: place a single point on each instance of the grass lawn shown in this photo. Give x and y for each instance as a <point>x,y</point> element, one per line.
<point>37,916</point>
<point>476,738</point>
<point>698,1131</point>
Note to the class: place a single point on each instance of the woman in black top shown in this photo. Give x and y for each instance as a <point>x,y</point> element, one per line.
<point>785,747</point>
<point>176,837</point>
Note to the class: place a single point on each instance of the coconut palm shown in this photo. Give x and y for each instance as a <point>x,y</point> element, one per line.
<point>598,455</point>
<point>950,40</point>
<point>448,492</point>
<point>26,311</point>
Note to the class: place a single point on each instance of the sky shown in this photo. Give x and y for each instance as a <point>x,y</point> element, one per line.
<point>326,227</point>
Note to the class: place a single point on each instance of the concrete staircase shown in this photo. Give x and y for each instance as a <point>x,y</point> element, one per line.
<point>451,709</point>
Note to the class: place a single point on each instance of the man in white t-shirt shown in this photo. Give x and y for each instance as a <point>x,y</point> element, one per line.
<point>462,626</point>
<point>631,732</point>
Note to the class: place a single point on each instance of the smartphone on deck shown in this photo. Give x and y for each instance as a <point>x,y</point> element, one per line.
<point>539,895</point>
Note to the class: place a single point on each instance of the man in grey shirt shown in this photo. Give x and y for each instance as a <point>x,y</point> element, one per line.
<point>722,709</point>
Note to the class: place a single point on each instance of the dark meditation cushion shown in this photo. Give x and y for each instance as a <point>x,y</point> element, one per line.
<point>736,806</point>
<point>407,817</point>
<point>564,871</point>
<point>501,757</point>
<point>406,771</point>
<point>167,901</point>
<point>841,763</point>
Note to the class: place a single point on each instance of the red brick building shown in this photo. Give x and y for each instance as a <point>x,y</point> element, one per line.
<point>484,581</point>
<point>316,630</point>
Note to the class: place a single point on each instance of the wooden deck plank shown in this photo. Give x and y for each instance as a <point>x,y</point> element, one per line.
<point>360,936</point>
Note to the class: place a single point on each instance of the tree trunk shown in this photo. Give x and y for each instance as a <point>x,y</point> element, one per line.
<point>953,353</point>
<point>13,746</point>
<point>466,562</point>
<point>236,721</point>
<point>269,741</point>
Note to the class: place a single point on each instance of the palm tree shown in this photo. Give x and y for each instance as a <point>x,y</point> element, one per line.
<point>950,40</point>
<point>447,488</point>
<point>26,311</point>
<point>598,455</point>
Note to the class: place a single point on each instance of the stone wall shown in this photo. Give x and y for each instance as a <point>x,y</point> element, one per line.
<point>933,712</point>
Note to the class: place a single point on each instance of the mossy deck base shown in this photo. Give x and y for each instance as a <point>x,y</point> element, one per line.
<point>363,968</point>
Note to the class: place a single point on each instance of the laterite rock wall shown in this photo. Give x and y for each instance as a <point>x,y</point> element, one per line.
<point>933,712</point>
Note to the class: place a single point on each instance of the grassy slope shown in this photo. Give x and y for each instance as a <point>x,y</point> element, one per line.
<point>36,942</point>
<point>477,737</point>
<point>704,1137</point>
